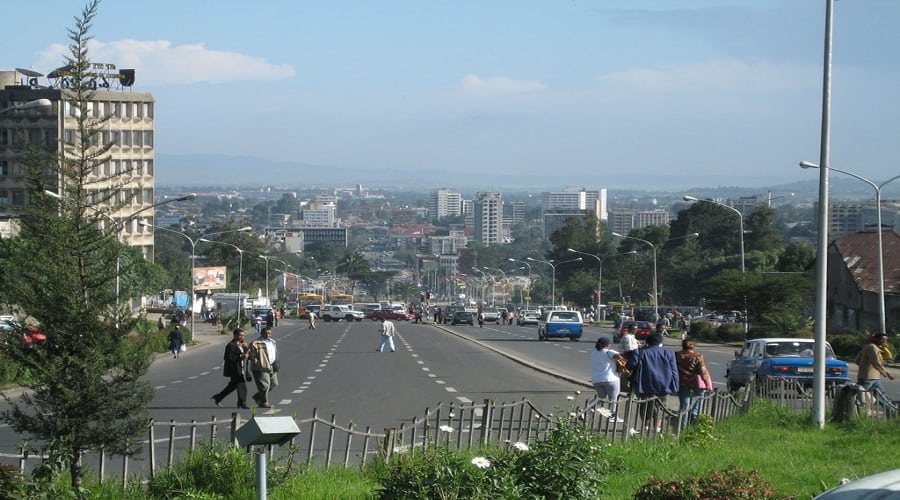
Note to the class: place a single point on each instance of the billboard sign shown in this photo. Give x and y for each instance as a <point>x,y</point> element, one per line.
<point>209,278</point>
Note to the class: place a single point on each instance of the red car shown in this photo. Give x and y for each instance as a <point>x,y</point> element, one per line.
<point>644,329</point>
<point>31,334</point>
<point>389,314</point>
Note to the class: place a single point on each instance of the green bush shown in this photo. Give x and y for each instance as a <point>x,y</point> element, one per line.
<point>12,482</point>
<point>730,332</point>
<point>569,463</point>
<point>731,482</point>
<point>211,471</point>
<point>704,330</point>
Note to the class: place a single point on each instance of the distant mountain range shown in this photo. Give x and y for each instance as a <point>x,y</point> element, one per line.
<point>182,171</point>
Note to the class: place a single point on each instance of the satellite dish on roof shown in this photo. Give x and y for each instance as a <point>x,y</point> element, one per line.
<point>28,72</point>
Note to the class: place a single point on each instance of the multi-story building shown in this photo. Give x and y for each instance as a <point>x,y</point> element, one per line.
<point>513,212</point>
<point>444,203</point>
<point>129,128</point>
<point>320,215</point>
<point>578,199</point>
<point>658,217</point>
<point>488,214</point>
<point>846,218</point>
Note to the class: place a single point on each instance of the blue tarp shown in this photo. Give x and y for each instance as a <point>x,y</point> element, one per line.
<point>181,299</point>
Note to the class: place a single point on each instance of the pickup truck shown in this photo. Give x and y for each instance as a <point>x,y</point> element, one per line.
<point>339,312</point>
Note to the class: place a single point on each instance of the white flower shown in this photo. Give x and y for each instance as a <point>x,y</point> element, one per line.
<point>446,428</point>
<point>632,431</point>
<point>451,415</point>
<point>605,412</point>
<point>570,398</point>
<point>577,393</point>
<point>481,462</point>
<point>520,446</point>
<point>572,414</point>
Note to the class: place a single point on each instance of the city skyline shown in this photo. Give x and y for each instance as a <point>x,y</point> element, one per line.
<point>612,94</point>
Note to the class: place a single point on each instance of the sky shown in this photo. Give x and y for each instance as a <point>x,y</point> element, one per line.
<point>652,93</point>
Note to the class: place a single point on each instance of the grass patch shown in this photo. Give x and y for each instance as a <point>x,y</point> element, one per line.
<point>770,452</point>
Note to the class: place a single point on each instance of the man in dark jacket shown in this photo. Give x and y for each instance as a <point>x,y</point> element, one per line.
<point>236,352</point>
<point>656,374</point>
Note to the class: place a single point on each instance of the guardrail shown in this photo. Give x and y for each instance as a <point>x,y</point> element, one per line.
<point>327,443</point>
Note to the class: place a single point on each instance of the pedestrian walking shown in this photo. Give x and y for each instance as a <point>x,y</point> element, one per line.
<point>265,364</point>
<point>176,341</point>
<point>656,376</point>
<point>312,321</point>
<point>871,368</point>
<point>604,375</point>
<point>236,353</point>
<point>388,330</point>
<point>693,381</point>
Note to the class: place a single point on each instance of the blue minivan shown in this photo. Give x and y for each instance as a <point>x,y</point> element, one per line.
<point>560,324</point>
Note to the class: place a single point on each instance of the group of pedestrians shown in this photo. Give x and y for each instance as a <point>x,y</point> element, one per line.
<point>257,361</point>
<point>654,372</point>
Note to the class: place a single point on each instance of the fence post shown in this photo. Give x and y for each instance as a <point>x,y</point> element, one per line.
<point>486,422</point>
<point>152,450</point>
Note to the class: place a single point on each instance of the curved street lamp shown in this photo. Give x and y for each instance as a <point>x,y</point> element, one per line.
<point>740,220</point>
<point>600,274</point>
<point>118,224</point>
<point>882,320</point>
<point>37,103</point>
<point>528,301</point>
<point>653,247</point>
<point>553,276</point>
<point>193,243</point>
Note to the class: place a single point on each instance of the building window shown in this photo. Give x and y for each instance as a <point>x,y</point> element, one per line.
<point>4,168</point>
<point>137,138</point>
<point>148,138</point>
<point>4,197</point>
<point>18,197</point>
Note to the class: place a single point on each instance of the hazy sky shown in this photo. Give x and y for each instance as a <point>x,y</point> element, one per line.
<point>726,90</point>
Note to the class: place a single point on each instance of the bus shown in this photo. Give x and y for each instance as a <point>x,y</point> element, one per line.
<point>308,302</point>
<point>342,299</point>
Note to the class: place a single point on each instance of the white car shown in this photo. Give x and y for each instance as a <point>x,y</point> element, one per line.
<point>528,318</point>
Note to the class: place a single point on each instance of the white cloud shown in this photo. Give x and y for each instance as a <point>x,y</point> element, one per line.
<point>713,76</point>
<point>499,85</point>
<point>158,62</point>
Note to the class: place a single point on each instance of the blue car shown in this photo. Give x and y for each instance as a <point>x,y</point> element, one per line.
<point>782,357</point>
<point>560,324</point>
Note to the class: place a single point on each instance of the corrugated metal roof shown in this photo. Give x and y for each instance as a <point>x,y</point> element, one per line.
<point>860,254</point>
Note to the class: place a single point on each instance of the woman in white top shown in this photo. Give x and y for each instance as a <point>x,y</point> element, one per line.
<point>604,376</point>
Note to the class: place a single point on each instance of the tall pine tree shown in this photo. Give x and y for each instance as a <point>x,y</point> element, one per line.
<point>85,391</point>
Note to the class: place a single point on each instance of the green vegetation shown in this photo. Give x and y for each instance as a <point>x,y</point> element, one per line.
<point>771,452</point>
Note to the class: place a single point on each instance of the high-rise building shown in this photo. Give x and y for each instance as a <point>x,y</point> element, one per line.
<point>576,198</point>
<point>489,218</point>
<point>129,128</point>
<point>444,203</point>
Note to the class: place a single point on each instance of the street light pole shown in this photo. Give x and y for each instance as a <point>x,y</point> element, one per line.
<point>37,103</point>
<point>118,224</point>
<point>655,284</point>
<point>600,274</point>
<point>553,276</point>
<point>193,243</point>
<point>740,220</point>
<point>528,301</point>
<point>882,320</point>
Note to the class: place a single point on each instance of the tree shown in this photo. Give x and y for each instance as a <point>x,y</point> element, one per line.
<point>86,391</point>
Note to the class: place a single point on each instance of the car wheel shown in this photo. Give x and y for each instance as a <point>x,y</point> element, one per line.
<point>573,339</point>
<point>326,318</point>
<point>358,320</point>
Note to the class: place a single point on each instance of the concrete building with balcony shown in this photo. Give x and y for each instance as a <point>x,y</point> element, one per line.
<point>129,128</point>
<point>443,203</point>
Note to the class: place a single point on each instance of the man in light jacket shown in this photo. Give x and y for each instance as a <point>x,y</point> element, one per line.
<point>264,364</point>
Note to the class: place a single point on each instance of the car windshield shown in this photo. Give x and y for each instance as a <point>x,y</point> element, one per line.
<point>794,349</point>
<point>564,317</point>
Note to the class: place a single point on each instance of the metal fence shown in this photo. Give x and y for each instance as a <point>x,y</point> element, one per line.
<point>325,442</point>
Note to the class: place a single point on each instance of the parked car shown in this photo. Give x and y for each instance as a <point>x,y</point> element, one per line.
<point>782,357</point>
<point>644,329</point>
<point>30,334</point>
<point>560,324</point>
<point>334,312</point>
<point>463,318</point>
<point>528,318</point>
<point>389,314</point>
